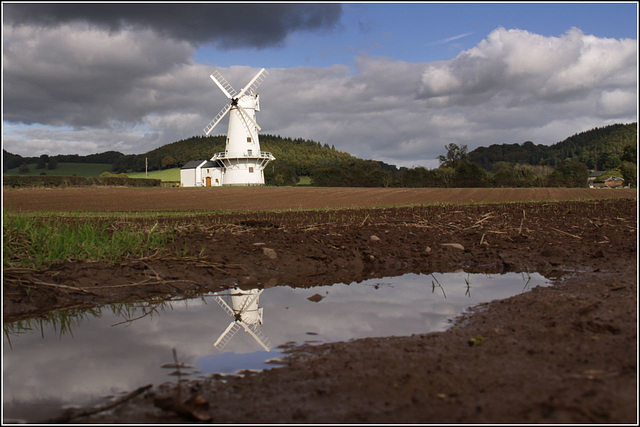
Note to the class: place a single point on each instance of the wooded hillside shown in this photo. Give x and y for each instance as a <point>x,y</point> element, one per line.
<point>599,148</point>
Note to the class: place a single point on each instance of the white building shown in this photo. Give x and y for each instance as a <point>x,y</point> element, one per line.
<point>201,173</point>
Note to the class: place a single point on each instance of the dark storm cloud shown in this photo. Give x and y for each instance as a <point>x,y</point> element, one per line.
<point>224,25</point>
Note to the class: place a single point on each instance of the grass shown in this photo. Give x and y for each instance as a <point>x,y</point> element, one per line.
<point>66,169</point>
<point>164,175</point>
<point>37,242</point>
<point>304,180</point>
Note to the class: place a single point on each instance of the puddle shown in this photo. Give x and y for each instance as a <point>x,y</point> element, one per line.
<point>90,357</point>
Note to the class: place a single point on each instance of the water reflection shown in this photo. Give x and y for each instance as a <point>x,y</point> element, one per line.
<point>245,313</point>
<point>74,357</point>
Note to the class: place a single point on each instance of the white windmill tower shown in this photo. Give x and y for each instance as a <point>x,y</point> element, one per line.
<point>242,161</point>
<point>246,314</point>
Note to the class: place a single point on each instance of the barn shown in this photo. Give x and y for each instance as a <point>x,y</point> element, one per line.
<point>201,173</point>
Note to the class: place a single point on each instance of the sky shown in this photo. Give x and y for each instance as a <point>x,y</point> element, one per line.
<point>394,82</point>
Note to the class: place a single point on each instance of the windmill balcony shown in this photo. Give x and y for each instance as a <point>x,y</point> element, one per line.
<point>245,154</point>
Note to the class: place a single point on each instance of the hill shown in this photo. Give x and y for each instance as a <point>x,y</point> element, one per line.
<point>64,169</point>
<point>294,157</point>
<point>598,148</point>
<point>606,148</point>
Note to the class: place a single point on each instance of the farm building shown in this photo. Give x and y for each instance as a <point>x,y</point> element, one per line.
<point>201,173</point>
<point>592,178</point>
<point>614,181</point>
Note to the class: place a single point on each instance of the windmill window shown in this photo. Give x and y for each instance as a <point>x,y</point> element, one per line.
<point>249,152</point>
<point>250,169</point>
<point>248,139</point>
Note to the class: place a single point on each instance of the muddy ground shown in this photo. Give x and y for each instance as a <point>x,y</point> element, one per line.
<point>560,354</point>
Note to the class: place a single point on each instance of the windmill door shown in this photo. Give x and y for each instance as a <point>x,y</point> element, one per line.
<point>208,181</point>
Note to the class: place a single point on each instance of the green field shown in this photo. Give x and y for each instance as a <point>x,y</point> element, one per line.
<point>164,175</point>
<point>66,169</point>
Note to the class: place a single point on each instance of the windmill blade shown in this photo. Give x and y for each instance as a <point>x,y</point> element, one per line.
<point>255,82</point>
<point>226,335</point>
<point>258,335</point>
<point>244,122</point>
<point>222,303</point>
<point>208,128</point>
<point>248,116</point>
<point>224,85</point>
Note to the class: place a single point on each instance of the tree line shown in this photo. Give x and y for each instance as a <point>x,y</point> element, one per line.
<point>567,163</point>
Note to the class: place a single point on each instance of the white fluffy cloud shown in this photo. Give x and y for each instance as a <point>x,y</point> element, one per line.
<point>515,67</point>
<point>97,90</point>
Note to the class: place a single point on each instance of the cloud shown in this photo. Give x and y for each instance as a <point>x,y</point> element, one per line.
<point>96,89</point>
<point>522,67</point>
<point>450,39</point>
<point>223,25</point>
<point>77,75</point>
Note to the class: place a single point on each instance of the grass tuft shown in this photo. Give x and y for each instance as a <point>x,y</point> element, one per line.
<point>34,242</point>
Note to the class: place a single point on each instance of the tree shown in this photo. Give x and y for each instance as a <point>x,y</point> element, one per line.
<point>23,168</point>
<point>470,175</point>
<point>42,162</point>
<point>630,153</point>
<point>570,173</point>
<point>168,161</point>
<point>454,153</point>
<point>629,173</point>
<point>53,163</point>
<point>608,161</point>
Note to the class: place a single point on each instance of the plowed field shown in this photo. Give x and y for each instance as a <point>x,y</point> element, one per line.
<point>265,198</point>
<point>566,353</point>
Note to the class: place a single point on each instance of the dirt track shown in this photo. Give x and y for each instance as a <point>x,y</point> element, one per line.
<point>565,353</point>
<point>258,198</point>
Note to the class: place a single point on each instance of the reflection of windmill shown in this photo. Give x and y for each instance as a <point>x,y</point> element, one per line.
<point>246,314</point>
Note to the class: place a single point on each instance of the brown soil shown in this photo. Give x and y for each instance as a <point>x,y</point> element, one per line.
<point>263,198</point>
<point>561,354</point>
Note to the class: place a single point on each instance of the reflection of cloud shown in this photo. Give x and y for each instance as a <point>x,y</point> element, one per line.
<point>100,359</point>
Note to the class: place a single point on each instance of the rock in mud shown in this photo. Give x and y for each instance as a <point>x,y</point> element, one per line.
<point>270,253</point>
<point>452,246</point>
<point>374,238</point>
<point>315,298</point>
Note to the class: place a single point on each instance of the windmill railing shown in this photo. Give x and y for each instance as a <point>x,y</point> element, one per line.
<point>245,154</point>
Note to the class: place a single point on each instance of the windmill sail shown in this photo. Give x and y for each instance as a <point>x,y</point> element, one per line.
<point>255,82</point>
<point>226,336</point>
<point>223,84</point>
<point>217,119</point>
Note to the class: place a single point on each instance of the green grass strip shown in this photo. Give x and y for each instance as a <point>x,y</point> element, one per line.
<point>36,242</point>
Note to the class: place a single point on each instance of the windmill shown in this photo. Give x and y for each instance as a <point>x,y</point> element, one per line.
<point>242,162</point>
<point>246,314</point>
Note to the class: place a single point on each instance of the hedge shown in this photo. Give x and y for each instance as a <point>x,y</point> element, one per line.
<point>75,181</point>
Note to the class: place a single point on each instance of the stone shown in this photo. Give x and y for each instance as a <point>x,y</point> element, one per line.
<point>452,246</point>
<point>315,298</point>
<point>374,238</point>
<point>270,253</point>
